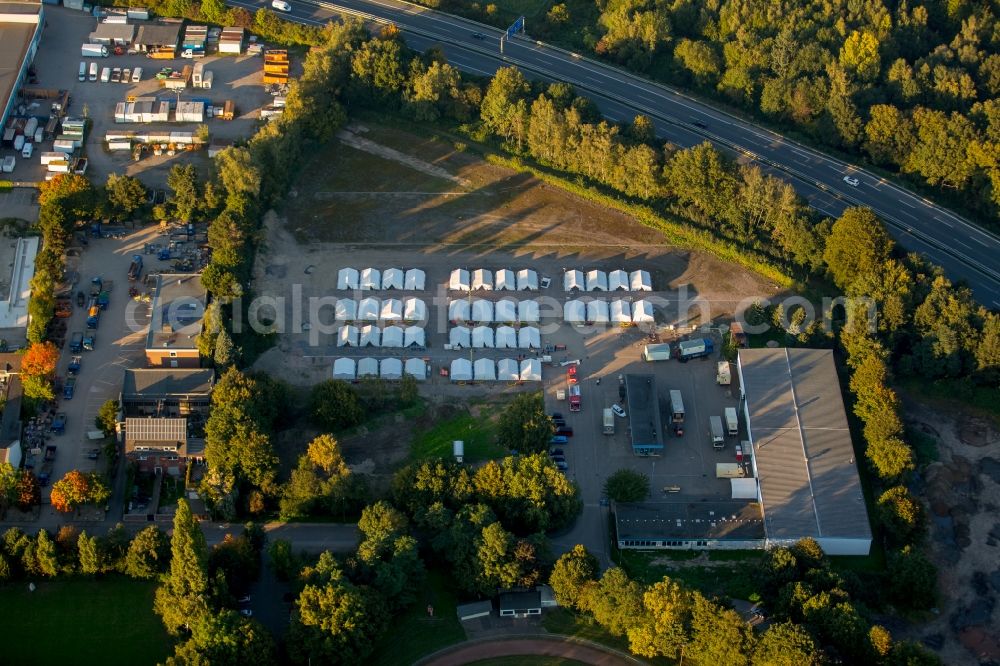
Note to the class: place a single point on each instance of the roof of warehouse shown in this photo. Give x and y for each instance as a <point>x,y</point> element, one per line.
<point>167,34</point>
<point>732,520</point>
<point>15,38</point>
<point>809,479</point>
<point>155,383</point>
<point>114,31</point>
<point>643,410</point>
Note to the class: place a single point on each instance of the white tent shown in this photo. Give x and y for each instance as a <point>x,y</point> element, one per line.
<point>414,336</point>
<point>393,278</point>
<point>416,367</point>
<point>347,336</point>
<point>506,338</point>
<point>531,370</point>
<point>573,279</point>
<point>392,310</point>
<point>597,280</point>
<point>458,310</point>
<point>640,281</point>
<point>527,312</point>
<point>392,336</point>
<point>346,309</point>
<point>368,309</point>
<point>371,279</point>
<point>415,280</point>
<point>505,310</point>
<point>597,312</point>
<point>485,370</point>
<point>482,311</point>
<point>371,336</point>
<point>574,312</point>
<point>461,370</point>
<point>618,280</point>
<point>642,312</point>
<point>621,311</point>
<point>529,338</point>
<point>460,336</point>
<point>391,368</point>
<point>527,280</point>
<point>414,309</point>
<point>459,280</point>
<point>507,370</point>
<point>504,280</point>
<point>368,367</point>
<point>482,336</point>
<point>482,278</point>
<point>345,369</point>
<point>347,278</point>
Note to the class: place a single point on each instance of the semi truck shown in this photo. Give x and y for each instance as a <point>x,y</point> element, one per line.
<point>135,268</point>
<point>574,398</point>
<point>676,407</point>
<point>718,438</point>
<point>659,352</point>
<point>609,422</point>
<point>723,374</point>
<point>94,51</point>
<point>732,422</point>
<point>690,349</point>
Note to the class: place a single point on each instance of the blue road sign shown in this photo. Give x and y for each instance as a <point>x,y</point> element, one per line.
<point>516,27</point>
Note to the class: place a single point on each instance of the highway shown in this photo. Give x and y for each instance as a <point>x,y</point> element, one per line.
<point>964,250</point>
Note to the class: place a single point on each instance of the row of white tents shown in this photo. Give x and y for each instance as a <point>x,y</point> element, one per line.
<point>504,310</point>
<point>595,280</point>
<point>348,369</point>
<point>488,370</point>
<point>505,337</point>
<point>372,279</point>
<point>373,309</point>
<point>618,311</point>
<point>395,337</point>
<point>484,279</point>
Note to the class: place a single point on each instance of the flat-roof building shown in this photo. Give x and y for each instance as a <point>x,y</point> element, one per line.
<point>689,524</point>
<point>21,26</point>
<point>165,34</point>
<point>177,313</point>
<point>803,456</point>
<point>644,414</point>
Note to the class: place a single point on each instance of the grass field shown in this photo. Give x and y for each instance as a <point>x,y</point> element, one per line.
<point>567,623</point>
<point>415,634</point>
<point>478,433</point>
<point>733,580</point>
<point>105,622</point>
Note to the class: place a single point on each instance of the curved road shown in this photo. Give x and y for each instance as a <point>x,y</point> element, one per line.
<point>576,650</point>
<point>964,250</point>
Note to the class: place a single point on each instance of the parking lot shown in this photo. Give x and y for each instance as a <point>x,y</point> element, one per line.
<point>235,77</point>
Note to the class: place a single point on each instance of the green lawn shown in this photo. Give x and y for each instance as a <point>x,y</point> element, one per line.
<point>478,433</point>
<point>734,580</point>
<point>414,634</point>
<point>565,622</point>
<point>107,622</point>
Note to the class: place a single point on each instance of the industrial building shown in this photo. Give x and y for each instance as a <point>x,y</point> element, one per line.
<point>803,457</point>
<point>21,26</point>
<point>688,524</point>
<point>644,414</point>
<point>177,311</point>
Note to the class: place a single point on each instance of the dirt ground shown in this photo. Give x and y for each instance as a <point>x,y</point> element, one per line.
<point>962,493</point>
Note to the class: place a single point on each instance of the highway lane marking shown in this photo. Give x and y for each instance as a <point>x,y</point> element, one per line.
<point>906,203</point>
<point>979,241</point>
<point>944,222</point>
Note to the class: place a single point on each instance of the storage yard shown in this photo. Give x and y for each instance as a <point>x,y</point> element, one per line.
<point>136,96</point>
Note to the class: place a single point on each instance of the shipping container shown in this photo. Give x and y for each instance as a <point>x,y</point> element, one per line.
<point>119,145</point>
<point>659,352</point>
<point>8,164</point>
<point>64,146</point>
<point>609,422</point>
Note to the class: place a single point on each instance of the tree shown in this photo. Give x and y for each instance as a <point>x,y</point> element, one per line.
<point>71,194</point>
<point>225,639</point>
<point>225,351</point>
<point>860,56</point>
<point>786,644</point>
<point>524,426</point>
<point>335,405</point>
<point>239,173</point>
<point>107,418</point>
<point>615,602</point>
<point>125,194</point>
<point>858,245</point>
<point>891,457</point>
<point>528,493</point>
<point>719,635</point>
<point>214,11</point>
<point>282,559</point>
<point>148,554</point>
<point>91,555</point>
<point>642,129</point>
<point>183,180</point>
<point>663,629</point>
<point>40,359</point>
<point>29,493</point>
<point>901,515</point>
<point>572,572</point>
<point>8,485</point>
<point>504,109</point>
<point>182,597</point>
<point>78,488</point>
<point>626,485</point>
<point>333,624</point>
<point>699,58</point>
<point>912,580</point>
<point>321,481</point>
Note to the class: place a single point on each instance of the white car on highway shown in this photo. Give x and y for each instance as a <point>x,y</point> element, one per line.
<point>853,182</point>
<point>281,5</point>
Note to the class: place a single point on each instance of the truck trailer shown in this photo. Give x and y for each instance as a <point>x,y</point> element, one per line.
<point>94,51</point>
<point>609,421</point>
<point>718,438</point>
<point>698,348</point>
<point>676,407</point>
<point>659,352</point>
<point>732,422</point>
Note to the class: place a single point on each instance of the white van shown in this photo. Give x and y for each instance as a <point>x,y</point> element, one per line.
<point>136,74</point>
<point>105,75</point>
<point>27,150</point>
<point>281,5</point>
<point>83,71</point>
<point>93,71</point>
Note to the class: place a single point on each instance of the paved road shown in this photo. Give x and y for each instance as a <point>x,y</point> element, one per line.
<point>573,649</point>
<point>310,537</point>
<point>962,249</point>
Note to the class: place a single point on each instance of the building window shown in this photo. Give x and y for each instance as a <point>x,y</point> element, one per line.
<point>173,354</point>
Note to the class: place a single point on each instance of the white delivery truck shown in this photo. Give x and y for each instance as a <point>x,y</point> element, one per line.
<point>609,422</point>
<point>718,438</point>
<point>676,407</point>
<point>105,75</point>
<point>93,71</point>
<point>723,374</point>
<point>94,51</point>
<point>732,422</point>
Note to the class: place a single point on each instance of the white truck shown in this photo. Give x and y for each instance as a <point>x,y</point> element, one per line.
<point>94,51</point>
<point>723,374</point>
<point>660,352</point>
<point>676,407</point>
<point>718,438</point>
<point>732,422</point>
<point>609,421</point>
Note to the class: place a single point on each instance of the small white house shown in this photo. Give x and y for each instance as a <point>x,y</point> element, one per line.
<point>415,280</point>
<point>485,370</point>
<point>347,336</point>
<point>504,280</point>
<point>459,280</point>
<point>347,278</point>
<point>482,311</point>
<point>368,309</point>
<point>640,281</point>
<point>505,338</point>
<point>416,367</point>
<point>461,370</point>
<point>597,312</point>
<point>527,312</point>
<point>574,312</point>
<point>531,370</point>
<point>393,278</point>
<point>527,280</point>
<point>482,337</point>
<point>392,337</point>
<point>618,281</point>
<point>528,337</point>
<point>460,336</point>
<point>573,280</point>
<point>414,336</point>
<point>371,336</point>
<point>459,310</point>
<point>597,280</point>
<point>371,279</point>
<point>505,311</point>
<point>346,309</point>
<point>391,368</point>
<point>507,370</point>
<point>368,367</point>
<point>344,369</point>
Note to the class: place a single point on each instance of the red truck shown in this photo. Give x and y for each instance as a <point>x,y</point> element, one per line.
<point>574,398</point>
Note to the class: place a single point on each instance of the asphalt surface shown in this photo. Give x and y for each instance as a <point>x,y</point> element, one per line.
<point>964,250</point>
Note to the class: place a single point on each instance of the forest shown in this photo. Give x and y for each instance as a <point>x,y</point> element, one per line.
<point>909,86</point>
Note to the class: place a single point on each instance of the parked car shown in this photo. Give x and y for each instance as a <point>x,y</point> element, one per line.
<point>566,431</point>
<point>561,466</point>
<point>557,416</point>
<point>558,459</point>
<point>618,410</point>
<point>246,612</point>
<point>555,452</point>
<point>116,75</point>
<point>245,599</point>
<point>93,453</point>
<point>558,439</point>
<point>559,423</point>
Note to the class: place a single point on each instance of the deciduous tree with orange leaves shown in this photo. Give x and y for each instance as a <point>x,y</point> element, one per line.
<point>40,359</point>
<point>77,488</point>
